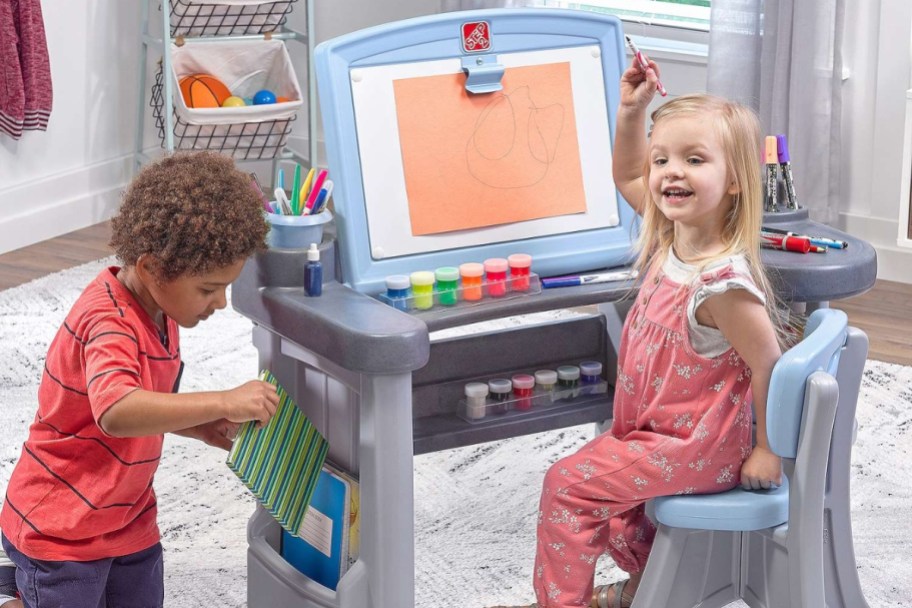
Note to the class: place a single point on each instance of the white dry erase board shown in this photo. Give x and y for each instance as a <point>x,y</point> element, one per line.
<point>476,134</point>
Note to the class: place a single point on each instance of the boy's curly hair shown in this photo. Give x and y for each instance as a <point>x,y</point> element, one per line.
<point>194,212</point>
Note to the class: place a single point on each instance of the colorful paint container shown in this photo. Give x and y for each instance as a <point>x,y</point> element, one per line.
<point>590,372</point>
<point>520,267</point>
<point>476,394</point>
<point>423,289</point>
<point>568,380</point>
<point>545,379</point>
<point>397,290</point>
<point>472,274</point>
<point>501,389</point>
<point>496,276</point>
<point>447,285</point>
<point>523,384</point>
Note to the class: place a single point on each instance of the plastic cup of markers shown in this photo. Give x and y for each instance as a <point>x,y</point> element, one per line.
<point>496,276</point>
<point>296,231</point>
<point>397,290</point>
<point>422,289</point>
<point>447,284</point>
<point>472,274</point>
<point>520,266</point>
<point>523,385</point>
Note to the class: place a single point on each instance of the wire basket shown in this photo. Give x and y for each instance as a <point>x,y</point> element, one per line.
<point>232,17</point>
<point>242,140</point>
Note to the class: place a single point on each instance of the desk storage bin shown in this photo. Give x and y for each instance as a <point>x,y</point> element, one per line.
<point>228,17</point>
<point>272,581</point>
<point>251,132</point>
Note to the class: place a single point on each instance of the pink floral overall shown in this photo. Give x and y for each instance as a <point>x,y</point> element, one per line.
<point>682,425</point>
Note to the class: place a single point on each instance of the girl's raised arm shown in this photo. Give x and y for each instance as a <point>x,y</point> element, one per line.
<point>630,146</point>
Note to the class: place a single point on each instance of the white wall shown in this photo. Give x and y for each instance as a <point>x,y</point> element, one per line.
<point>877,59</point>
<point>72,175</point>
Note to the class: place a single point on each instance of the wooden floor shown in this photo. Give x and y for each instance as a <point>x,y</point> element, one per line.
<point>884,313</point>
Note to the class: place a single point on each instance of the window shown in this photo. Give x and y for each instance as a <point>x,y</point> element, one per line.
<point>686,14</point>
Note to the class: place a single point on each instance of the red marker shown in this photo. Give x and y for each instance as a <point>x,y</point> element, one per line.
<point>785,243</point>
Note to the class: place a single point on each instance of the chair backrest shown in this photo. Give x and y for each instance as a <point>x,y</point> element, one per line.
<point>819,350</point>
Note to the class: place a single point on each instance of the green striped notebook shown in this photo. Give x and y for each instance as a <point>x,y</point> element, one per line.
<point>280,462</point>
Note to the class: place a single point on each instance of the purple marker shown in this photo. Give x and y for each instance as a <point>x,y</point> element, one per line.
<point>785,164</point>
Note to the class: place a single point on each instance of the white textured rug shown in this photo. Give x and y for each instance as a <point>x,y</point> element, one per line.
<point>474,512</point>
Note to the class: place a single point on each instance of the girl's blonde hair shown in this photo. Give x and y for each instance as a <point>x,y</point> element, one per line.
<point>739,131</point>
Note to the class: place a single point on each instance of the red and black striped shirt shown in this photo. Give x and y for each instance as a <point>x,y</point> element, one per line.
<point>77,493</point>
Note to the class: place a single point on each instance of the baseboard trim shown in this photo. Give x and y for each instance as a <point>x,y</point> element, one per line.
<point>47,208</point>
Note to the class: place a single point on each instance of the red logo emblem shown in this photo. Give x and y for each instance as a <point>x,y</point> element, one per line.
<point>476,36</point>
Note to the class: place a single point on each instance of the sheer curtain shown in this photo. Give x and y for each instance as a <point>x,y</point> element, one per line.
<point>784,59</point>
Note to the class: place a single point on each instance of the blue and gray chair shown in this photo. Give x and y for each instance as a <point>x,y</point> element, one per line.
<point>788,547</point>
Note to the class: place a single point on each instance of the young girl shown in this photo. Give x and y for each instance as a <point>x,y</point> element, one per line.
<point>698,346</point>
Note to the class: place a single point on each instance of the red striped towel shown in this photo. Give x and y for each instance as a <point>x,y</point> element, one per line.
<point>25,71</point>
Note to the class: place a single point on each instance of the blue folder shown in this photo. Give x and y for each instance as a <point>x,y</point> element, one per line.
<point>330,500</point>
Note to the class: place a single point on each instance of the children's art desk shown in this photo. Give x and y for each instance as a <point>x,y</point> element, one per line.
<point>416,114</point>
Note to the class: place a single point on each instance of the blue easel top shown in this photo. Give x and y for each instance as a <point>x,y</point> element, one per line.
<point>376,227</point>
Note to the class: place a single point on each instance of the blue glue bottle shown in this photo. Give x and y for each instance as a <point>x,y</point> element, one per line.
<point>313,272</point>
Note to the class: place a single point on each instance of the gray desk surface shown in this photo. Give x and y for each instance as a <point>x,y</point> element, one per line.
<point>362,334</point>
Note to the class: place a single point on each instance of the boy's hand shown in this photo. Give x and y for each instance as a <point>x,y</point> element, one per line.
<point>761,470</point>
<point>255,400</point>
<point>639,87</point>
<point>218,433</point>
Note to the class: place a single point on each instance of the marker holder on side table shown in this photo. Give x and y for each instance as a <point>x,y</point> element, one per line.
<point>413,302</point>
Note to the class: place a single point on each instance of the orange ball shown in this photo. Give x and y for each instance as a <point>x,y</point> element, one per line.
<point>203,91</point>
<point>281,99</point>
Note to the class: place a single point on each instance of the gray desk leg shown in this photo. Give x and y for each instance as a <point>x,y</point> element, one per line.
<point>387,495</point>
<point>614,313</point>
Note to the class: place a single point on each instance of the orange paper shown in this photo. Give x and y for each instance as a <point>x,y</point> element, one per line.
<point>484,160</point>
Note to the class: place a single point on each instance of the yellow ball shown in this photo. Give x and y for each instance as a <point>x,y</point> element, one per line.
<point>233,102</point>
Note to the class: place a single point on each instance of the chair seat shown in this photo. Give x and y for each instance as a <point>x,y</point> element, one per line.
<point>735,510</point>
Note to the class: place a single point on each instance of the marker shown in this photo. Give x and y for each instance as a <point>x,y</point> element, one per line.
<point>318,183</point>
<point>323,199</point>
<point>305,189</point>
<point>785,243</point>
<point>282,199</point>
<point>296,190</point>
<point>821,241</point>
<point>786,166</point>
<point>588,279</point>
<point>772,173</point>
<point>259,190</point>
<point>644,63</point>
<point>318,204</point>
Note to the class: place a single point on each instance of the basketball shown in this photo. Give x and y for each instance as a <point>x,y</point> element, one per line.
<point>203,91</point>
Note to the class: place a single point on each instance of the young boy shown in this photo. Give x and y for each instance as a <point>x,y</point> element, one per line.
<point>79,519</point>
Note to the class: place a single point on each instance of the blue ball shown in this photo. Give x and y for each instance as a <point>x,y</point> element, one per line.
<point>263,97</point>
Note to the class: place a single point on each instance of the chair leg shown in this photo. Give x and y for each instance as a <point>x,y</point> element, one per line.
<point>689,568</point>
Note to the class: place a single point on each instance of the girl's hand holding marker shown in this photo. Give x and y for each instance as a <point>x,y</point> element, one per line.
<point>645,65</point>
